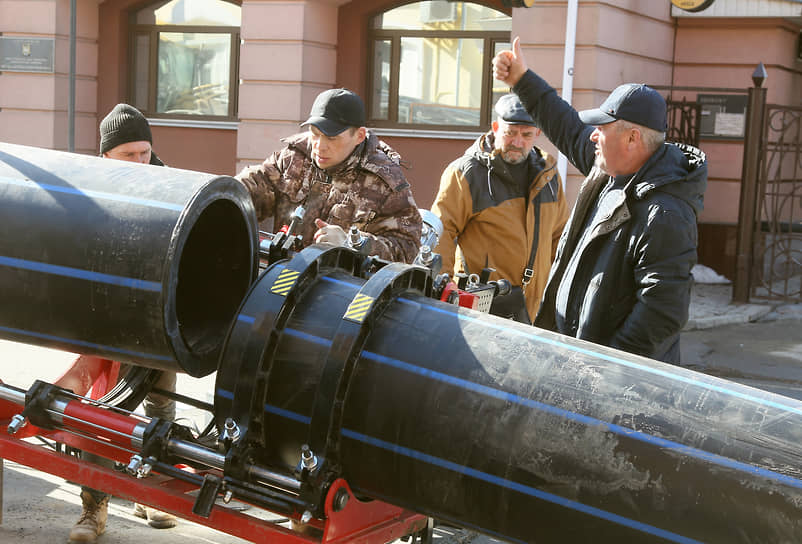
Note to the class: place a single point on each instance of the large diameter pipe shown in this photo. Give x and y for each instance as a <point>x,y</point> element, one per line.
<point>515,431</point>
<point>131,262</point>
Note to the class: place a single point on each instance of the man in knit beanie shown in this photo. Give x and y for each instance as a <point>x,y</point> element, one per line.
<point>125,135</point>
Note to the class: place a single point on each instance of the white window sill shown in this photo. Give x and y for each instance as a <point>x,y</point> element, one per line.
<point>417,133</point>
<point>191,123</point>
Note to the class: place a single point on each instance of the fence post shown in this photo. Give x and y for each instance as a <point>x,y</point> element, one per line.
<point>747,207</point>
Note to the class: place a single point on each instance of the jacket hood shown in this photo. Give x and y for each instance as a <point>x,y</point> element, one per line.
<point>483,150</point>
<point>677,169</point>
<point>482,147</point>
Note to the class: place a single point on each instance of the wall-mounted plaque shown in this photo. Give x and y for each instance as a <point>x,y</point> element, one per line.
<point>27,54</point>
<point>723,115</point>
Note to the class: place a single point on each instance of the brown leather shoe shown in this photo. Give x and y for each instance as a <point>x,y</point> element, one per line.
<point>92,522</point>
<point>156,518</point>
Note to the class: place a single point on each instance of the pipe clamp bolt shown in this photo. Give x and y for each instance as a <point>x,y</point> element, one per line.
<point>308,459</point>
<point>134,464</point>
<point>144,470</point>
<point>340,500</point>
<point>231,430</point>
<point>17,422</point>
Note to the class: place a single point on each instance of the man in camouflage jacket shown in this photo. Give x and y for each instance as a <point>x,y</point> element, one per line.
<point>343,176</point>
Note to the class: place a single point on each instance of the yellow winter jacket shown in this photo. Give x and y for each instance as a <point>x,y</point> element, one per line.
<point>484,211</point>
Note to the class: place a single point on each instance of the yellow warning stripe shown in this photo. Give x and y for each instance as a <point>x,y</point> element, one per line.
<point>359,308</point>
<point>283,284</point>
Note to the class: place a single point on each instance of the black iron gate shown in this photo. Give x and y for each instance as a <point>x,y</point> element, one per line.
<point>684,121</point>
<point>769,232</point>
<point>777,240</point>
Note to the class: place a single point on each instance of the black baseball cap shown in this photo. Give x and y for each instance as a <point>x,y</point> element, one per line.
<point>631,102</point>
<point>510,110</point>
<point>335,110</point>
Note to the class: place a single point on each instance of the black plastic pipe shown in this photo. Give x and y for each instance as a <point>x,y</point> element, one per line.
<point>514,431</point>
<point>132,262</point>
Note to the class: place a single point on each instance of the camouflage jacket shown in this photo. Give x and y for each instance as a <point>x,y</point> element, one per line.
<point>368,190</point>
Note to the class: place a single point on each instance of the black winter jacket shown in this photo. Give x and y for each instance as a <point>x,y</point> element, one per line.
<point>631,275</point>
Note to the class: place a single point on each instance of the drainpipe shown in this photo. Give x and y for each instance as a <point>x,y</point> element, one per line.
<point>71,105</point>
<point>568,73</point>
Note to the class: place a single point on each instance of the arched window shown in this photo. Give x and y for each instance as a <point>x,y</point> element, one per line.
<point>185,58</point>
<point>430,65</point>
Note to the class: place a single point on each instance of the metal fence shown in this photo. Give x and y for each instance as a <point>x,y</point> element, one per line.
<point>777,251</point>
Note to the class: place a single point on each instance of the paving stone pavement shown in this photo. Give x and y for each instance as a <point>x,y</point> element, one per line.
<point>712,306</point>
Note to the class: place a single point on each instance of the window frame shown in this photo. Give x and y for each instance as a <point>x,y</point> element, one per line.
<point>490,39</point>
<point>153,31</point>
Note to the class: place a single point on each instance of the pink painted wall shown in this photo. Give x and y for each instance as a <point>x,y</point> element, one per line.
<point>740,45</point>
<point>203,149</point>
<point>293,50</point>
<point>33,106</point>
<point>288,56</point>
<point>616,42</point>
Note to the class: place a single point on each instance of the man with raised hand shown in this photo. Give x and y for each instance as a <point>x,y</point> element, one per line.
<point>622,277</point>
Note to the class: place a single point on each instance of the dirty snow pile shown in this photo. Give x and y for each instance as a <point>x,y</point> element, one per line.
<point>705,274</point>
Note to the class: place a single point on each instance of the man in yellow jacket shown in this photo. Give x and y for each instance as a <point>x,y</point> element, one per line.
<point>503,207</point>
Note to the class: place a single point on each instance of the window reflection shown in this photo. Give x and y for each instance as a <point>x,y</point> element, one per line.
<point>381,79</point>
<point>193,73</point>
<point>440,82</point>
<point>184,58</point>
<point>141,71</point>
<point>431,64</point>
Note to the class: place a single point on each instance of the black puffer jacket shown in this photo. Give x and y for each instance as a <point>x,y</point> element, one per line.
<point>630,276</point>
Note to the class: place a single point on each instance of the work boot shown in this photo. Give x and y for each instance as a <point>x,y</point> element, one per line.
<point>92,523</point>
<point>156,519</point>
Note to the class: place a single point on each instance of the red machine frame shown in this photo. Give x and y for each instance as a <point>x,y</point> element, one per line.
<point>354,521</point>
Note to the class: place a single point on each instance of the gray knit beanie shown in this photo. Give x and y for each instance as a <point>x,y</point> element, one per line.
<point>123,124</point>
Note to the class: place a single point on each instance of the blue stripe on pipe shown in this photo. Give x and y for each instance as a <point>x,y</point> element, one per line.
<point>585,420</point>
<point>70,272</point>
<point>246,319</point>
<point>308,337</point>
<point>225,394</point>
<point>339,282</point>
<point>616,360</point>
<point>495,480</point>
<point>85,344</point>
<point>501,482</point>
<point>92,194</point>
<point>288,414</point>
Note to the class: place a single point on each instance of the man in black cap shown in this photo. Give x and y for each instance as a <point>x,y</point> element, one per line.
<point>502,203</point>
<point>622,277</point>
<point>343,176</point>
<point>124,135</point>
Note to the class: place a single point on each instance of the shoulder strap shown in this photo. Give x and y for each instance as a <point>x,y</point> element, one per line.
<point>529,271</point>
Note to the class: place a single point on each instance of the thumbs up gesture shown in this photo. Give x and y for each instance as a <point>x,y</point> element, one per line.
<point>509,66</point>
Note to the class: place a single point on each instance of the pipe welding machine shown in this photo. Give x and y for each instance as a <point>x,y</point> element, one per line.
<point>348,396</point>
